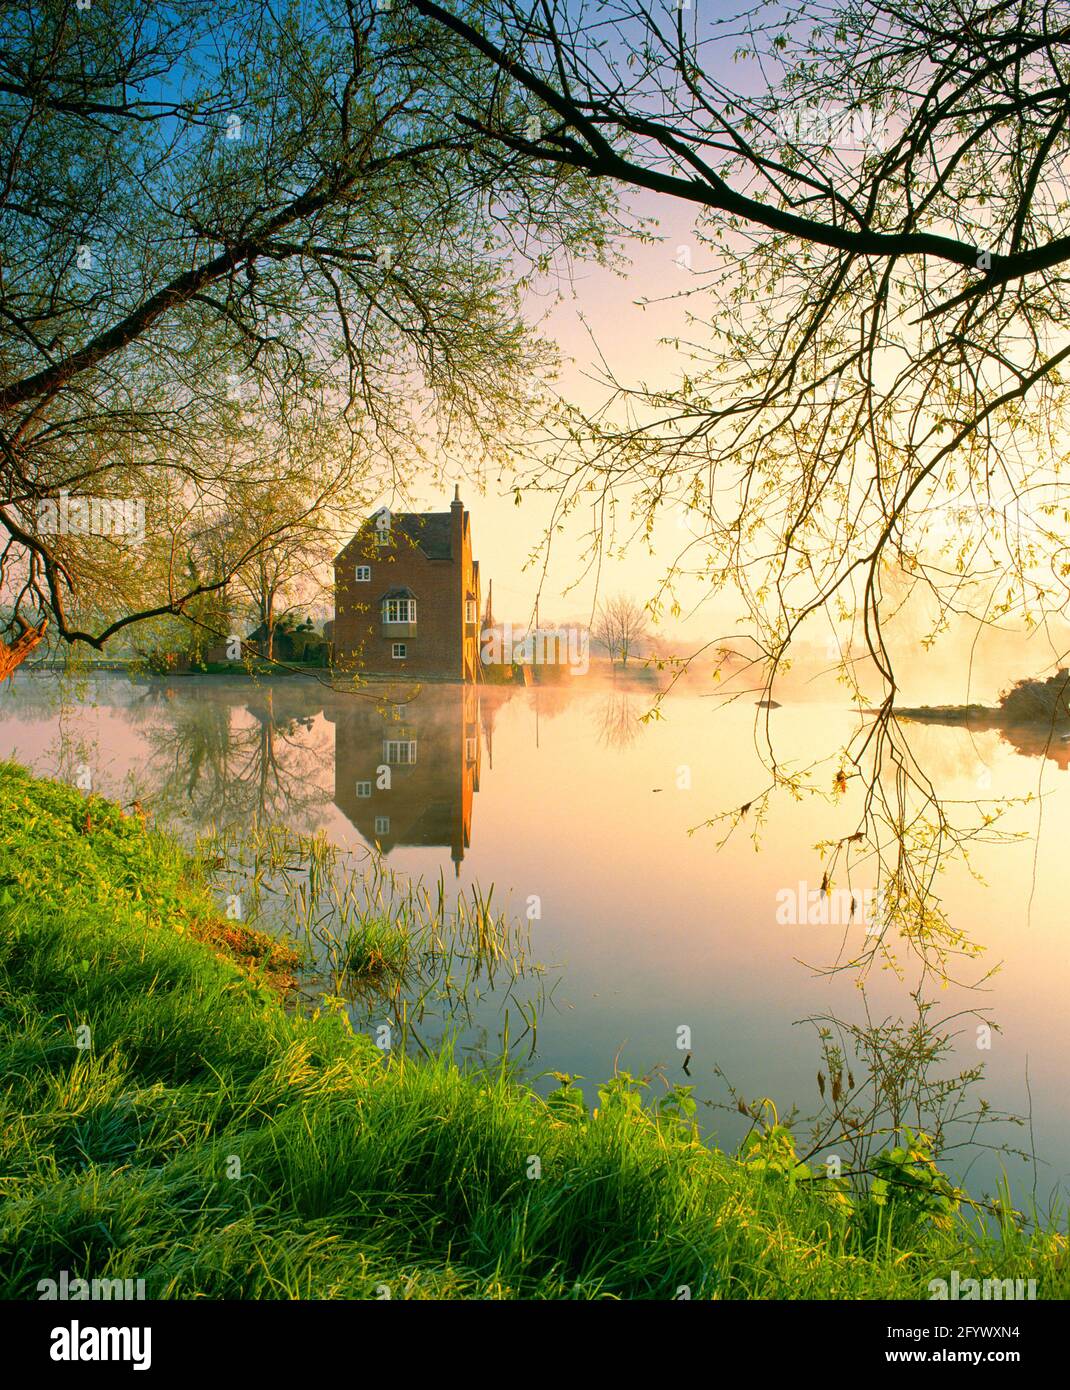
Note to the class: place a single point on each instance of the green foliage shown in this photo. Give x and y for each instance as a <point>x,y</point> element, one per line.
<point>357,1169</point>
<point>679,1107</point>
<point>376,948</point>
<point>293,642</point>
<point>567,1103</point>
<point>621,1095</point>
<point>772,1150</point>
<point>160,663</point>
<point>908,1182</point>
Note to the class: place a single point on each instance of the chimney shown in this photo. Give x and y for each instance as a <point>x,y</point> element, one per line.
<point>456,524</point>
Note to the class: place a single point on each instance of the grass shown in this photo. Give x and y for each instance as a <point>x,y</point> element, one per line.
<point>212,1142</point>
<point>378,949</point>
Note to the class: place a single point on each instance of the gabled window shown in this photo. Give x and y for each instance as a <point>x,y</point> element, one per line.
<point>399,610</point>
<point>364,574</point>
<point>399,651</point>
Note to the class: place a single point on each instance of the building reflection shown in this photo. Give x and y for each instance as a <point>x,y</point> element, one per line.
<point>406,772</point>
<point>402,764</point>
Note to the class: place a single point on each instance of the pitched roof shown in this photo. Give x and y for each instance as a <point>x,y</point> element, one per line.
<point>430,531</point>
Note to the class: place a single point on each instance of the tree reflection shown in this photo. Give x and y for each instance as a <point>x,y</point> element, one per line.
<point>233,758</point>
<point>617,720</point>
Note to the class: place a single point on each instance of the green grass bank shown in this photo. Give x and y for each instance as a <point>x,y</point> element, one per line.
<point>167,1118</point>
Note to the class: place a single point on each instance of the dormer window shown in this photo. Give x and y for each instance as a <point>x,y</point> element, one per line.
<point>399,610</point>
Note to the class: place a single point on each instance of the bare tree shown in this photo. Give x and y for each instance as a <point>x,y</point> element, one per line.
<point>620,626</point>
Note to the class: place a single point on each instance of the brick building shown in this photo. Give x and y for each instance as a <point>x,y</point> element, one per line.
<point>406,596</point>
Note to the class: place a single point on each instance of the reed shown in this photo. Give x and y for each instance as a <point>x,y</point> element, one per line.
<point>390,946</point>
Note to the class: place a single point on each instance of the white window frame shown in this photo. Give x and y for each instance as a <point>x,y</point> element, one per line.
<point>469,610</point>
<point>399,610</point>
<point>471,748</point>
<point>364,574</point>
<point>364,789</point>
<point>399,752</point>
<point>399,651</point>
<point>382,825</point>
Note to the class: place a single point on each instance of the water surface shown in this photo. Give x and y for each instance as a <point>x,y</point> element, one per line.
<point>579,815</point>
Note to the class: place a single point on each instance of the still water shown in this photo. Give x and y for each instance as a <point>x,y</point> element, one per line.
<point>583,819</point>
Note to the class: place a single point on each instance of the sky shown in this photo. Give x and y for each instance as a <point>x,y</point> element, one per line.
<point>600,315</point>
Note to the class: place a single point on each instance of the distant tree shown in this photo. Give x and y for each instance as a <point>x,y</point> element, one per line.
<point>1030,701</point>
<point>619,627</point>
<point>208,614</point>
<point>286,571</point>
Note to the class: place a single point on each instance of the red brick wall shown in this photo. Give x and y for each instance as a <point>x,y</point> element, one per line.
<point>442,646</point>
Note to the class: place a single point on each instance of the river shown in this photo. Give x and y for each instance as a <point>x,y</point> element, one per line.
<point>662,953</point>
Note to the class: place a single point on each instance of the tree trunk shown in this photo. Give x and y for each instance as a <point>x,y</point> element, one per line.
<point>15,653</point>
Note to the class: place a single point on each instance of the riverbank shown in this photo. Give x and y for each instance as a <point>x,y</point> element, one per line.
<point>636,676</point>
<point>981,715</point>
<point>167,1119</point>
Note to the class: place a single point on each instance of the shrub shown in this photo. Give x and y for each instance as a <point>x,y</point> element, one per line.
<point>1030,701</point>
